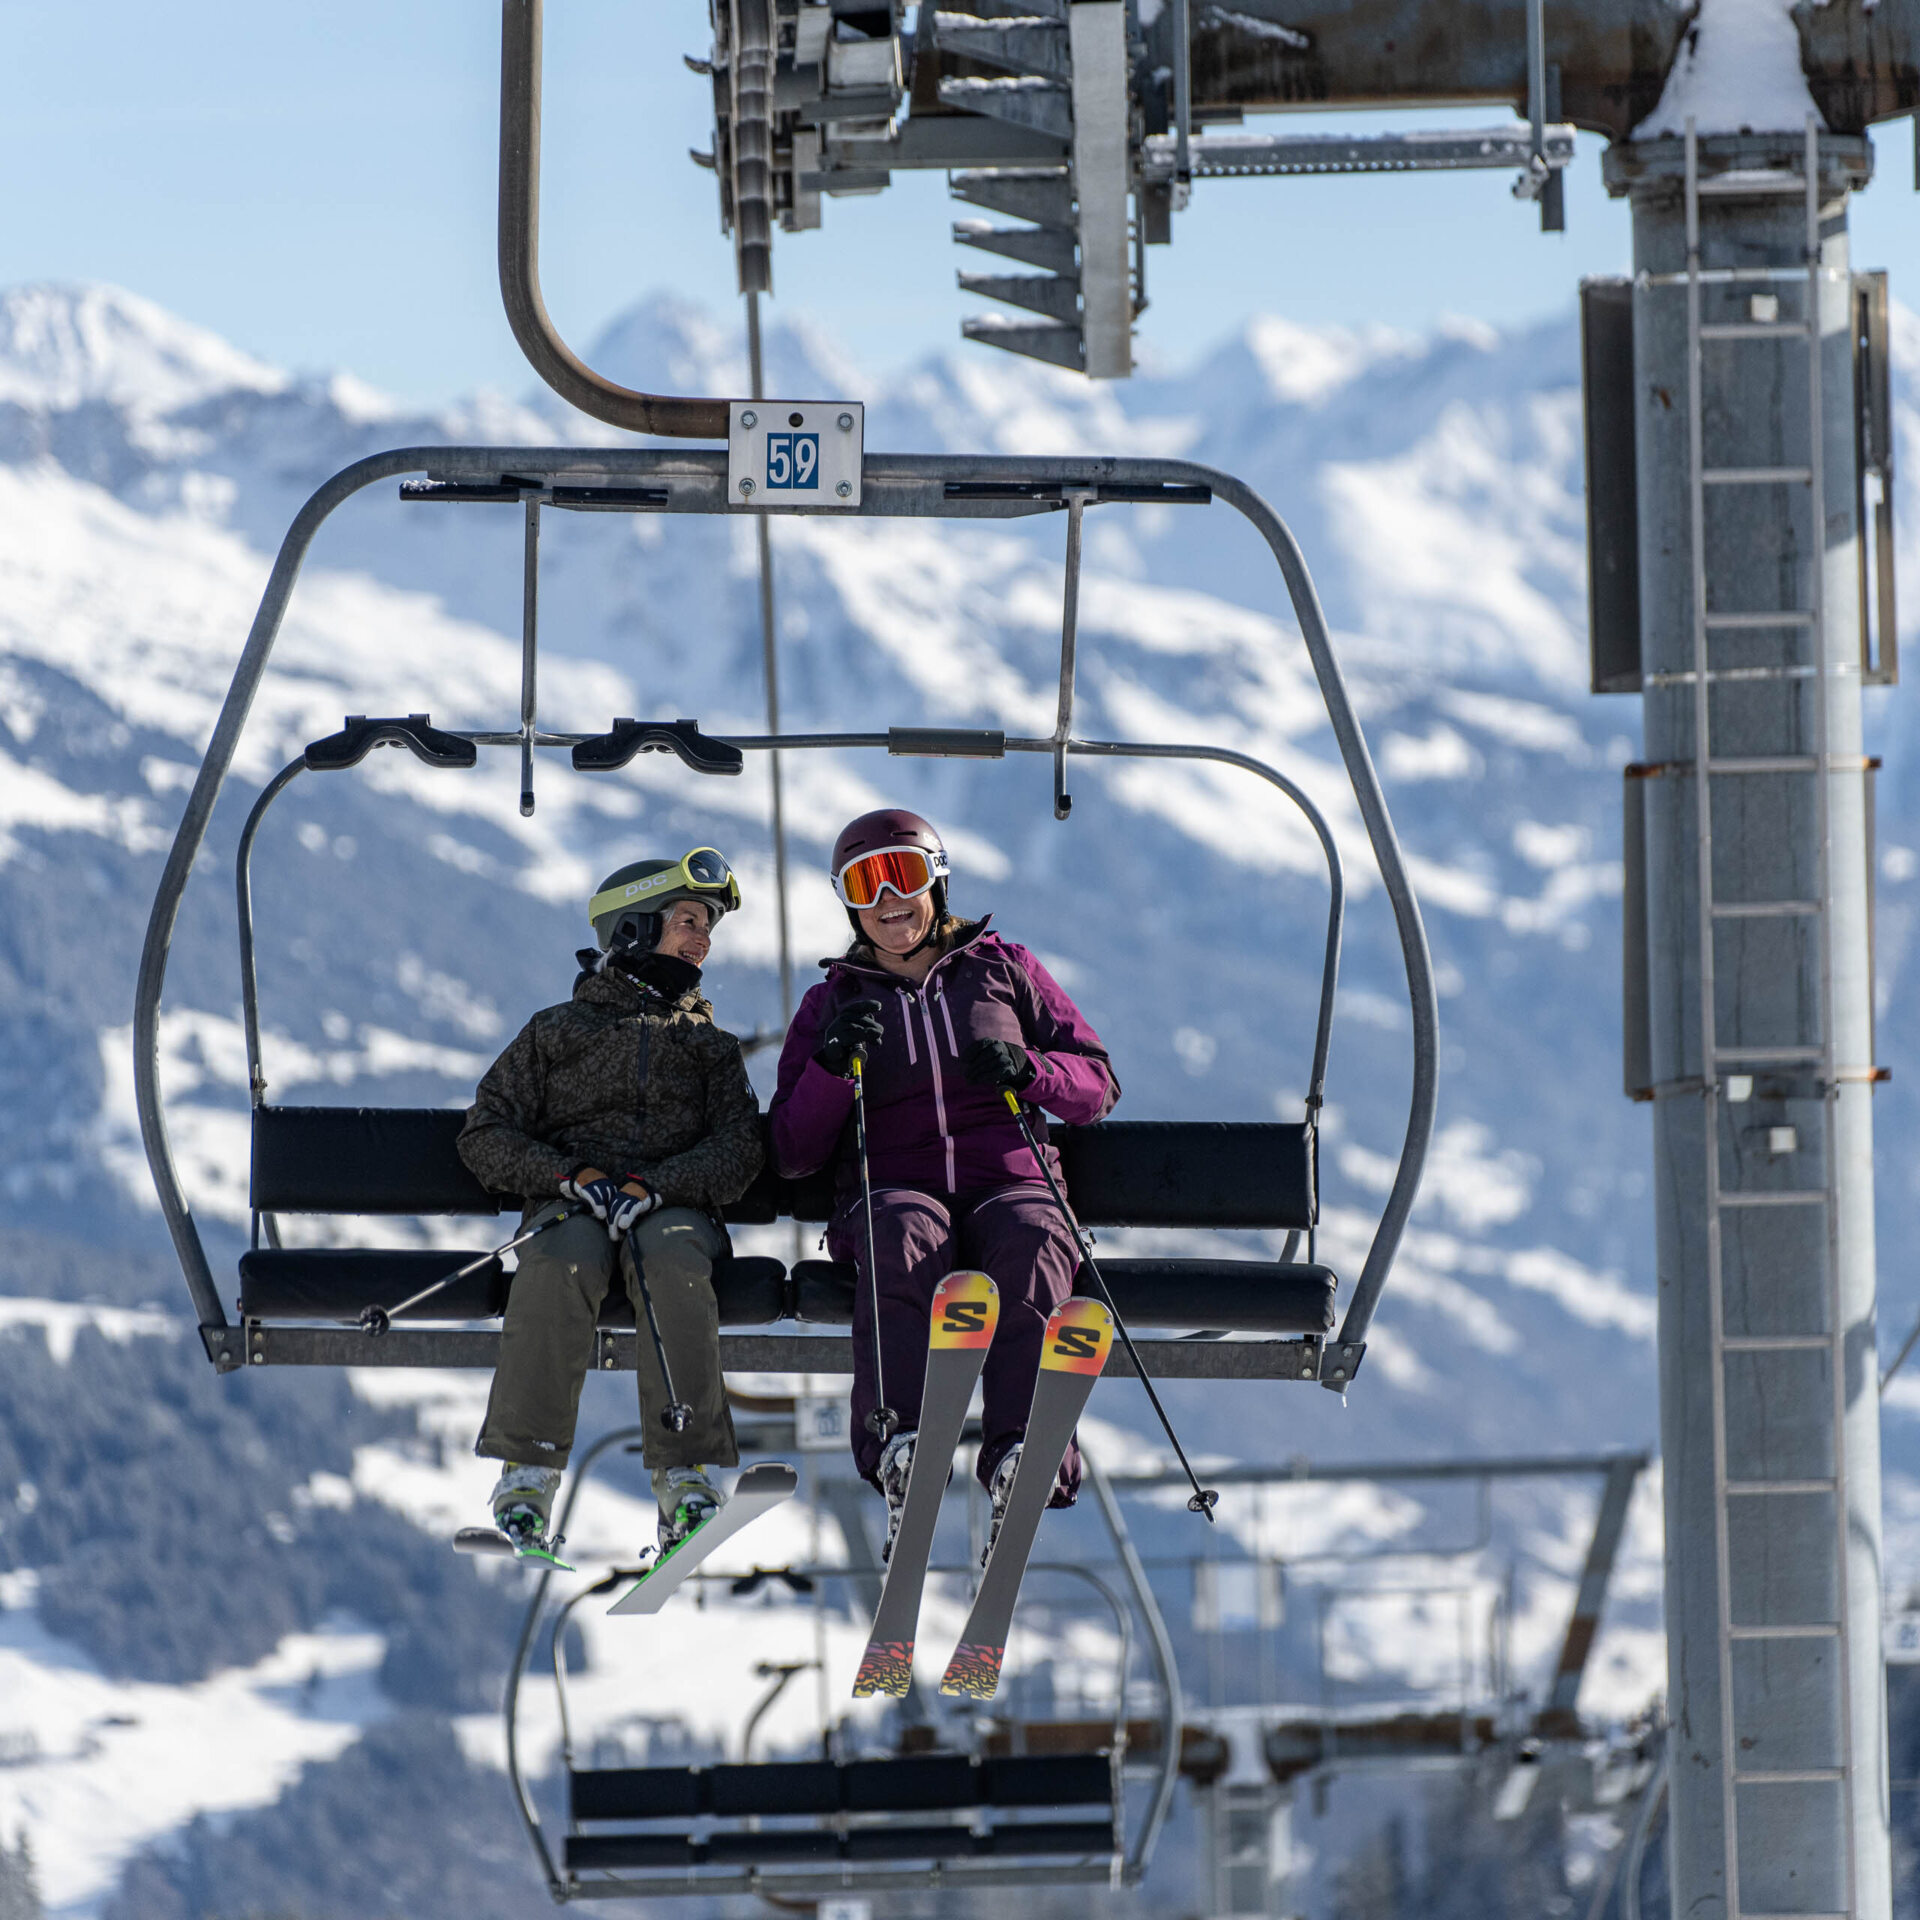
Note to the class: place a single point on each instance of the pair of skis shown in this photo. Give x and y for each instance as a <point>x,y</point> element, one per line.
<point>966,1311</point>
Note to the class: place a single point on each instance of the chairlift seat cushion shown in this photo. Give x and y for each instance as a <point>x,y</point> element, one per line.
<point>825,1789</point>
<point>609,1852</point>
<point>919,1783</point>
<point>334,1283</point>
<point>1182,1296</point>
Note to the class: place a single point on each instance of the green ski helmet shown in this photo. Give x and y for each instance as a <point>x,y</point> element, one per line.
<point>629,906</point>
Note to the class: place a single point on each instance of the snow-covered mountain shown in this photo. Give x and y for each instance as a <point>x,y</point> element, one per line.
<point>410,919</point>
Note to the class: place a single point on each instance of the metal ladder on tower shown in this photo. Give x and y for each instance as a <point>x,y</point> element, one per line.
<point>1719,1062</point>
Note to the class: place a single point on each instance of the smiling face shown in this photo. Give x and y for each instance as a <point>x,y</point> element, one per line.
<point>688,932</point>
<point>895,925</point>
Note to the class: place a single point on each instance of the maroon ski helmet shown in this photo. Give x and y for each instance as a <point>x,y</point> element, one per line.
<point>891,827</point>
<point>888,827</point>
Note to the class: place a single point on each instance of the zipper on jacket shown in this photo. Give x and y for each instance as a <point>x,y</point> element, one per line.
<point>906,1020</point>
<point>939,1093</point>
<point>953,1045</point>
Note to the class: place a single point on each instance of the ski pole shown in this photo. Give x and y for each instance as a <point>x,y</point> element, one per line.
<point>379,1320</point>
<point>678,1416</point>
<point>882,1422</point>
<point>1205,1499</point>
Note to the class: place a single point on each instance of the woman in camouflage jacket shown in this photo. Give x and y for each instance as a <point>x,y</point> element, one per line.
<point>629,1102</point>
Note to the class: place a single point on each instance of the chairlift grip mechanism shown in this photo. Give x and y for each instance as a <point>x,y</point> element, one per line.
<point>519,251</point>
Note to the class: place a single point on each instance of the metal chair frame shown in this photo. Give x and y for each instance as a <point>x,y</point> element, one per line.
<point>694,480</point>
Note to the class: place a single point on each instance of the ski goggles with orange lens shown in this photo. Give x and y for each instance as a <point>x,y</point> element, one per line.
<point>906,871</point>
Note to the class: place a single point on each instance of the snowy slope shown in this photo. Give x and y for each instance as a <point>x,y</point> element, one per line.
<point>410,919</point>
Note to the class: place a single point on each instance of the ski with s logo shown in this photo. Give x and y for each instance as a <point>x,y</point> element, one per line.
<point>966,1309</point>
<point>1078,1339</point>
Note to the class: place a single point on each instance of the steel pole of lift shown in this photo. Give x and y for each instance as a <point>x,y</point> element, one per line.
<point>1768,1409</point>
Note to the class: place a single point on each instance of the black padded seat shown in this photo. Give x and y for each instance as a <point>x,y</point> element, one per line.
<point>1150,1173</point>
<point>1191,1173</point>
<point>364,1160</point>
<point>1122,1173</point>
<point>924,1783</point>
<point>334,1283</point>
<point>918,1783</point>
<point>1011,1840</point>
<point>1182,1296</point>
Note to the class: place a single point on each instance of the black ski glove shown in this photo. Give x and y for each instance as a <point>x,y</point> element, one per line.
<point>997,1063</point>
<point>599,1196</point>
<point>858,1025</point>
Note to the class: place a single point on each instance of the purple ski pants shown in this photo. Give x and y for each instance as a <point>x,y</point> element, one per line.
<point>1012,1234</point>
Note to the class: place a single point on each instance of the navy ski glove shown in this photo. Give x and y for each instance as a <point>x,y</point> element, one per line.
<point>630,1207</point>
<point>998,1063</point>
<point>599,1196</point>
<point>858,1025</point>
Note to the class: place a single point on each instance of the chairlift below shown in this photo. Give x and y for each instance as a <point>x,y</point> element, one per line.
<point>964,1817</point>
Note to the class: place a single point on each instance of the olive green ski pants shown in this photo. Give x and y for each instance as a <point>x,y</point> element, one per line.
<point>547,1343</point>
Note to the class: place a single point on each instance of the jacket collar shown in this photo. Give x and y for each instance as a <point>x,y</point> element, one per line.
<point>621,993</point>
<point>969,935</point>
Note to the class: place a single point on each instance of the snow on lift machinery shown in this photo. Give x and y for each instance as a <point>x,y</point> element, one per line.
<point>867,1824</point>
<point>307,1306</point>
<point>304,1306</point>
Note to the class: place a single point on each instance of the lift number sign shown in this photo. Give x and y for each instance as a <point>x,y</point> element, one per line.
<point>793,462</point>
<point>783,454</point>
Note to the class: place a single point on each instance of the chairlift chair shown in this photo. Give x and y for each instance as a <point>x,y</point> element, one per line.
<point>798,1828</point>
<point>302,1306</point>
<point>299,1306</point>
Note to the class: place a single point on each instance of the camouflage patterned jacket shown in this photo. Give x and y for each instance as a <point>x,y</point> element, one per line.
<point>626,1080</point>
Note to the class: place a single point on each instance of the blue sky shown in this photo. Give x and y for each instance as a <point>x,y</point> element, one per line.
<point>317,183</point>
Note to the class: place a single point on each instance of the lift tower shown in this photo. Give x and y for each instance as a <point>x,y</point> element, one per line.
<point>1736,415</point>
<point>1751,812</point>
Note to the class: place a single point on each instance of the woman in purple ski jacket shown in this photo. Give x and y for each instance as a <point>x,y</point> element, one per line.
<point>949,1014</point>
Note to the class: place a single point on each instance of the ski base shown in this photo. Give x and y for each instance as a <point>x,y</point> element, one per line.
<point>966,1310</point>
<point>760,1489</point>
<point>1079,1336</point>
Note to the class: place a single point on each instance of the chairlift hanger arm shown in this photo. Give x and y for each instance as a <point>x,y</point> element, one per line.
<point>519,246</point>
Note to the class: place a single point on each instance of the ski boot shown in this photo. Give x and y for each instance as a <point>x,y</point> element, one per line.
<point>896,1463</point>
<point>688,1499</point>
<point>523,1509</point>
<point>999,1487</point>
